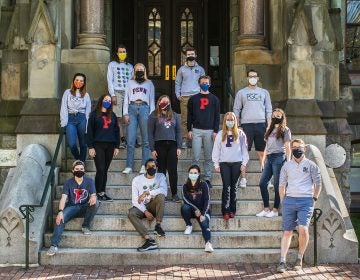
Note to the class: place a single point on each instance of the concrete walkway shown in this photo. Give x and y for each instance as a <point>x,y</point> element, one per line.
<point>222,271</point>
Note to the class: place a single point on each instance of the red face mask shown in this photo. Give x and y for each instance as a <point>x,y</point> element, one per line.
<point>78,84</point>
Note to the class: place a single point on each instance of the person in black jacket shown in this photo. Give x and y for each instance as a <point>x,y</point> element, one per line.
<point>103,139</point>
<point>196,205</point>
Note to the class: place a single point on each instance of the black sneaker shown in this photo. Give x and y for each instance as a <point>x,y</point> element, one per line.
<point>208,183</point>
<point>104,198</point>
<point>149,244</point>
<point>159,231</point>
<point>176,198</point>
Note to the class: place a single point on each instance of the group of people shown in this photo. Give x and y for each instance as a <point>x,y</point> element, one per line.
<point>130,104</point>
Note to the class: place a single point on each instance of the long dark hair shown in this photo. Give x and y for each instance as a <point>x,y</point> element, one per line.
<point>115,56</point>
<point>99,106</point>
<point>281,127</point>
<point>189,187</point>
<point>82,89</point>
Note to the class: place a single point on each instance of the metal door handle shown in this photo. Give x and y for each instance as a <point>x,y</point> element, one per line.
<point>167,72</point>
<point>174,72</point>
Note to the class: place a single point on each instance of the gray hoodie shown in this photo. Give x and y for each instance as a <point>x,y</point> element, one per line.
<point>187,80</point>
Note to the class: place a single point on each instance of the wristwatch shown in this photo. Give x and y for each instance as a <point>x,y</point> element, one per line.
<point>315,198</point>
<point>60,211</point>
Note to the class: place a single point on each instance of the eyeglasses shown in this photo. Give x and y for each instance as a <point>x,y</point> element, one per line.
<point>252,76</point>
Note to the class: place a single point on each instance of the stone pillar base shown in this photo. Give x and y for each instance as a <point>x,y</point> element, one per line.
<point>251,42</point>
<point>92,41</point>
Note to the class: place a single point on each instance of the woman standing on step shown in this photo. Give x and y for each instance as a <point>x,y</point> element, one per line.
<point>196,205</point>
<point>74,114</point>
<point>139,102</point>
<point>164,131</point>
<point>277,151</point>
<point>103,139</point>
<point>230,156</point>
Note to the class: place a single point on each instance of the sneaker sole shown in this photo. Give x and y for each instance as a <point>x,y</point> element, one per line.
<point>153,247</point>
<point>50,254</point>
<point>158,234</point>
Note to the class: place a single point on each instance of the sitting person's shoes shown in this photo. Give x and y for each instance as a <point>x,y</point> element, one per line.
<point>176,198</point>
<point>86,231</point>
<point>149,244</point>
<point>281,268</point>
<point>208,247</point>
<point>188,230</point>
<point>298,264</point>
<point>52,250</point>
<point>104,198</point>
<point>159,231</point>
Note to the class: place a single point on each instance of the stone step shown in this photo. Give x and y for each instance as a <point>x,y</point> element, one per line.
<point>75,256</point>
<point>123,240</point>
<point>124,192</point>
<point>176,223</point>
<point>121,207</point>
<point>185,154</point>
<point>118,178</point>
<point>119,165</point>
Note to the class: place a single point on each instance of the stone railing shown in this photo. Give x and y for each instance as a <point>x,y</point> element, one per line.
<point>337,241</point>
<point>24,185</point>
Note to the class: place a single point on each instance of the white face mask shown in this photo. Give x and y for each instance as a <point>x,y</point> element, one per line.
<point>253,81</point>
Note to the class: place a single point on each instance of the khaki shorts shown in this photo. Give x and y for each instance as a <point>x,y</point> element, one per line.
<point>118,108</point>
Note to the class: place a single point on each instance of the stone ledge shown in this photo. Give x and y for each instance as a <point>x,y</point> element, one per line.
<point>257,57</point>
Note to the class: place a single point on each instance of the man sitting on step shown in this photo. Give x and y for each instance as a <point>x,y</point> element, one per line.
<point>80,194</point>
<point>148,199</point>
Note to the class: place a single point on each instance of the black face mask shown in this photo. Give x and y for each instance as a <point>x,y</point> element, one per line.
<point>297,153</point>
<point>151,171</point>
<point>79,174</point>
<point>139,76</point>
<point>276,120</point>
<point>190,58</point>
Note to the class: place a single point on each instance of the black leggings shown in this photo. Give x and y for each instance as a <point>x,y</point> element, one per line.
<point>104,155</point>
<point>230,172</point>
<point>167,160</point>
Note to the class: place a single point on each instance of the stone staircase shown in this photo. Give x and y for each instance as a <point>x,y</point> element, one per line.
<point>245,238</point>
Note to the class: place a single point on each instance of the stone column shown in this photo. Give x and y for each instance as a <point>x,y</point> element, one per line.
<point>92,35</point>
<point>251,24</point>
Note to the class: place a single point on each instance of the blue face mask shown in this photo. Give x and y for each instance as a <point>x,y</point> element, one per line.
<point>106,104</point>
<point>193,177</point>
<point>230,124</point>
<point>204,87</point>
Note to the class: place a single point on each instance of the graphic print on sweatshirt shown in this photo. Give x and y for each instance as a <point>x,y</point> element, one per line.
<point>203,103</point>
<point>80,195</point>
<point>107,121</point>
<point>195,194</point>
<point>139,89</point>
<point>229,140</point>
<point>153,186</point>
<point>167,123</point>
<point>253,96</point>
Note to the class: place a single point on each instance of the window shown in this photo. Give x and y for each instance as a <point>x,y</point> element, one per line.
<point>353,35</point>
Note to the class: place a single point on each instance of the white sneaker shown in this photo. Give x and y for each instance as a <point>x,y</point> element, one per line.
<point>271,214</point>
<point>127,170</point>
<point>243,183</point>
<point>208,247</point>
<point>263,213</point>
<point>270,185</point>
<point>188,230</point>
<point>52,250</point>
<point>142,169</point>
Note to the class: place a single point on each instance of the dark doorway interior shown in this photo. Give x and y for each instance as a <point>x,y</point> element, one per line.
<point>157,32</point>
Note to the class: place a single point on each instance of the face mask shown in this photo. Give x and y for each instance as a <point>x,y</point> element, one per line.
<point>151,171</point>
<point>276,120</point>
<point>79,174</point>
<point>253,81</point>
<point>122,56</point>
<point>297,153</point>
<point>193,177</point>
<point>139,74</point>
<point>106,104</point>
<point>190,58</point>
<point>78,84</point>
<point>204,87</point>
<point>230,124</point>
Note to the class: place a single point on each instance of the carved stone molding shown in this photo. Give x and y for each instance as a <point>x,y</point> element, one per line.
<point>332,223</point>
<point>9,221</point>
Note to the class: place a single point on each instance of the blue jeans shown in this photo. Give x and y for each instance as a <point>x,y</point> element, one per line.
<point>75,131</point>
<point>187,212</point>
<point>73,211</point>
<point>272,167</point>
<point>138,115</point>
<point>203,137</point>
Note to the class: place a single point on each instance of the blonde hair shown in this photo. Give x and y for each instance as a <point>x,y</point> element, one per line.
<point>139,64</point>
<point>299,141</point>
<point>234,129</point>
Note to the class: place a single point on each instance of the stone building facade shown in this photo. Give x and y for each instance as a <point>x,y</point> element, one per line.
<point>295,45</point>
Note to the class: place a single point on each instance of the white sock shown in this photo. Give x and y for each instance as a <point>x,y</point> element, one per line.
<point>283,259</point>
<point>300,256</point>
